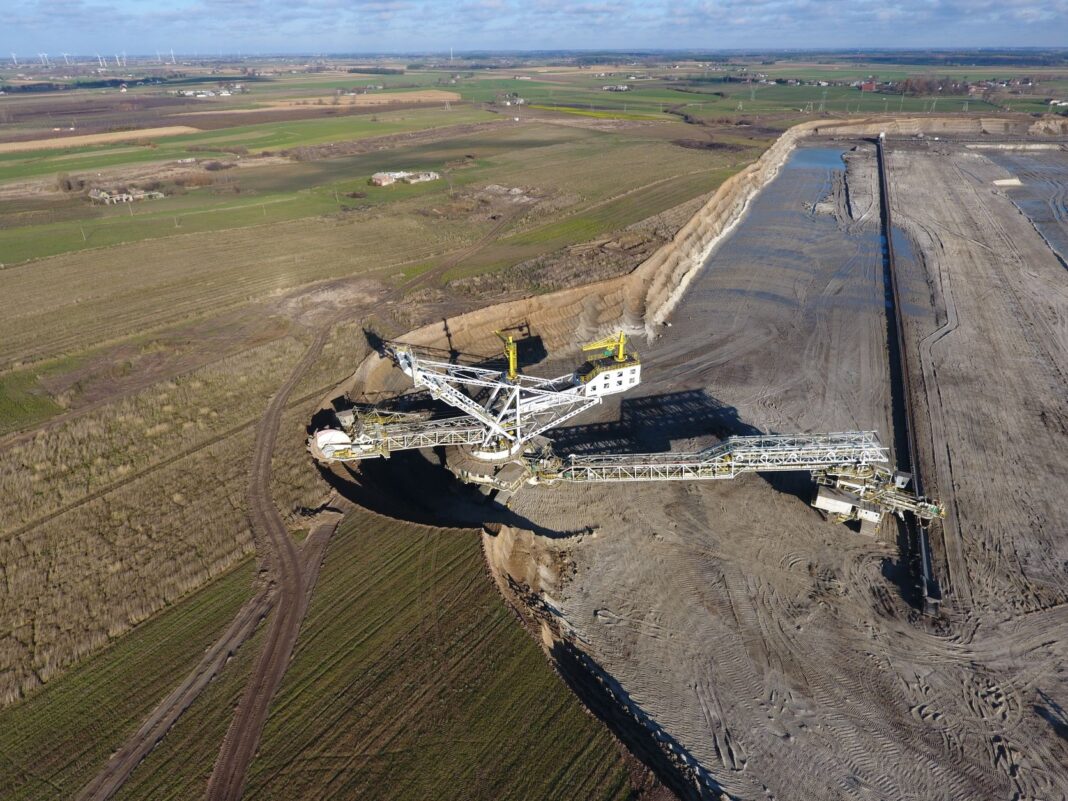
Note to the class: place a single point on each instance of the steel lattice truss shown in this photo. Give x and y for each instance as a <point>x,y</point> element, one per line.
<point>377,438</point>
<point>729,459</point>
<point>511,413</point>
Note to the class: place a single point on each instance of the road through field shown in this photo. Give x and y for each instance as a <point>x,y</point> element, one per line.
<point>156,726</point>
<point>289,576</point>
<point>291,573</point>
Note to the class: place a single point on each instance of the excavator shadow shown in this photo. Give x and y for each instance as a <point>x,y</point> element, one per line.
<point>650,424</point>
<point>681,421</point>
<point>416,487</point>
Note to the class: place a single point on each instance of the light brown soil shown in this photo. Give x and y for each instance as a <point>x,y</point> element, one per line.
<point>993,360</point>
<point>61,142</point>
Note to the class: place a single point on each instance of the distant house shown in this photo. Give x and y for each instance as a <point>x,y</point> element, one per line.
<point>111,198</point>
<point>621,87</point>
<point>868,86</point>
<point>387,178</point>
<point>420,177</point>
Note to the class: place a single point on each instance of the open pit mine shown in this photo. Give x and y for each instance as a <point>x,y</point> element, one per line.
<point>871,317</point>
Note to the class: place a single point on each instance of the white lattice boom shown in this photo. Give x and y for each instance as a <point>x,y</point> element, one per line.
<point>501,412</point>
<point>500,415</point>
<point>726,460</point>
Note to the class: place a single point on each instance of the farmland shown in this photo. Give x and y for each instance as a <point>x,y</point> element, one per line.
<point>179,767</point>
<point>55,743</point>
<point>142,342</point>
<point>412,679</point>
<point>145,289</point>
<point>255,138</point>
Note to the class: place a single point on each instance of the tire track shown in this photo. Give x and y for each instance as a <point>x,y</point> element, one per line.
<point>166,714</point>
<point>290,581</point>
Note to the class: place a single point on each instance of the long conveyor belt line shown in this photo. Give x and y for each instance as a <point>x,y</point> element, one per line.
<point>727,460</point>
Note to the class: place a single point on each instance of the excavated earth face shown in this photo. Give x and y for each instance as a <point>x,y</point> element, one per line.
<point>771,651</point>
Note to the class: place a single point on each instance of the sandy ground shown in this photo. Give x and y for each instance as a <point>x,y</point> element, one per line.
<point>62,142</point>
<point>994,359</point>
<point>772,648</point>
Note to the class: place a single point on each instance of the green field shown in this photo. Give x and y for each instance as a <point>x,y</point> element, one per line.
<point>412,680</point>
<point>180,766</point>
<point>59,738</point>
<point>23,402</point>
<point>239,254</point>
<point>257,138</point>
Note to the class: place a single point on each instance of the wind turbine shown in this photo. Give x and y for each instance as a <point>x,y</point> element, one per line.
<point>44,59</point>
<point>172,57</point>
<point>15,59</point>
<point>65,59</point>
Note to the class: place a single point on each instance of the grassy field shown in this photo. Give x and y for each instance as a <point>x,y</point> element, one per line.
<point>77,579</point>
<point>412,680</point>
<point>135,433</point>
<point>23,402</point>
<point>69,303</point>
<point>56,740</point>
<point>649,99</point>
<point>180,766</point>
<point>113,504</point>
<point>257,138</point>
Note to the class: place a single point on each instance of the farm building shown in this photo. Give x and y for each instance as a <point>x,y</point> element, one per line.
<point>111,198</point>
<point>387,178</point>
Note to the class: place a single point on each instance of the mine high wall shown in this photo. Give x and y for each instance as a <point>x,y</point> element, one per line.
<point>642,300</point>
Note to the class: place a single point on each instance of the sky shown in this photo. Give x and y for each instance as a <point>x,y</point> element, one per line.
<point>208,27</point>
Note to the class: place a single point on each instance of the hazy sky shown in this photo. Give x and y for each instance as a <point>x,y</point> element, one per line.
<point>250,26</point>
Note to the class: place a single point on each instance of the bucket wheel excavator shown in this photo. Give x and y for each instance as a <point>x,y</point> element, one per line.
<point>498,417</point>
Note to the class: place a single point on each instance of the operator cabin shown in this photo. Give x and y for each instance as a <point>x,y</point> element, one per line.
<point>607,375</point>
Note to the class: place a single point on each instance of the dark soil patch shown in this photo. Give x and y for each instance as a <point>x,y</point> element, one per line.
<point>700,144</point>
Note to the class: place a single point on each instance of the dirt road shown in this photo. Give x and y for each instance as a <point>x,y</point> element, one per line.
<point>166,714</point>
<point>291,575</point>
<point>290,580</point>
